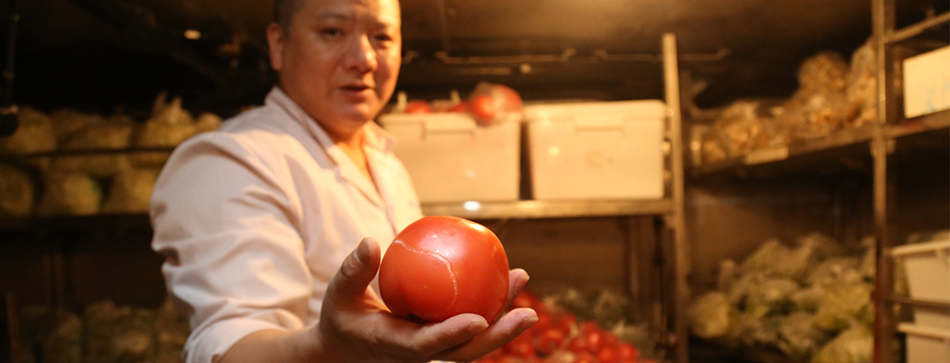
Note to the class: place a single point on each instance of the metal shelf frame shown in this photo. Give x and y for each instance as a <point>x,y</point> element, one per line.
<point>877,140</point>
<point>885,35</point>
<point>671,208</point>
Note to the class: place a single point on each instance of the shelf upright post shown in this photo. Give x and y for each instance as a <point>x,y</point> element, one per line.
<point>680,248</point>
<point>883,21</point>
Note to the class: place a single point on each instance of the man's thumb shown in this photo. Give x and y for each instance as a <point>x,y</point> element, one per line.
<point>357,270</point>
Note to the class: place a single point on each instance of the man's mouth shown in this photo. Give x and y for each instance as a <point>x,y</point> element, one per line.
<point>356,87</point>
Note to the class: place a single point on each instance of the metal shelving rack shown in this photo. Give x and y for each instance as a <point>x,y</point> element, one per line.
<point>890,134</point>
<point>670,208</point>
<point>890,129</point>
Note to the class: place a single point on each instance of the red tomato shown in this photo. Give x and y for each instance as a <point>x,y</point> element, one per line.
<point>595,340</point>
<point>459,107</point>
<point>577,345</point>
<point>585,358</point>
<point>608,355</point>
<point>521,348</point>
<point>628,352</point>
<point>483,109</point>
<point>523,300</point>
<point>549,340</point>
<point>418,106</point>
<point>567,323</point>
<point>442,266</point>
<point>610,340</point>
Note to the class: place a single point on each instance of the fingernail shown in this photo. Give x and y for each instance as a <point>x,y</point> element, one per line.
<point>530,320</point>
<point>362,251</point>
<point>478,326</point>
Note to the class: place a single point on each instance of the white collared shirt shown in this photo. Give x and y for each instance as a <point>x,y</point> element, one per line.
<point>255,219</point>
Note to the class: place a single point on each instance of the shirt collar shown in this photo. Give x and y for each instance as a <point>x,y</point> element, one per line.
<point>374,135</point>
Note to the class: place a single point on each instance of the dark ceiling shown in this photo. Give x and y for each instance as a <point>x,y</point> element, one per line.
<point>98,55</point>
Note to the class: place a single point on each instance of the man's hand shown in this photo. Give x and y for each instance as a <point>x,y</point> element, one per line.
<point>355,326</point>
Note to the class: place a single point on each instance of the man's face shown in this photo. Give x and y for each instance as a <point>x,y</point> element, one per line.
<point>339,59</point>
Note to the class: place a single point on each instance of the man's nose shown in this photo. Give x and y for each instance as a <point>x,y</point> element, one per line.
<point>361,55</point>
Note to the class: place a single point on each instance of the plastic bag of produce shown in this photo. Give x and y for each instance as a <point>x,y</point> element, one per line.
<point>111,135</point>
<point>69,194</point>
<point>168,126</point>
<point>766,257</point>
<point>749,330</point>
<point>118,334</point>
<point>862,84</point>
<point>34,134</point>
<point>172,331</point>
<point>740,126</point>
<point>854,345</point>
<point>727,274</point>
<point>770,296</point>
<point>207,122</point>
<point>56,334</point>
<point>845,305</point>
<point>834,270</point>
<point>709,315</point>
<point>823,72</point>
<point>67,121</point>
<point>130,191</point>
<point>808,299</point>
<point>797,336</point>
<point>16,192</point>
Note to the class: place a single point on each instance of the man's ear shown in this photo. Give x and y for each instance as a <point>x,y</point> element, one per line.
<point>275,44</point>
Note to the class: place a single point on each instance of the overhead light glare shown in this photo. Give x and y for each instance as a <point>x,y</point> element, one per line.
<point>192,34</point>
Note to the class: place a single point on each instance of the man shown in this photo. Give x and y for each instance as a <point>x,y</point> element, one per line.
<point>257,221</point>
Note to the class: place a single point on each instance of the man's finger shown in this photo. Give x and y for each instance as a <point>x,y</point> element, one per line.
<point>357,270</point>
<point>498,334</point>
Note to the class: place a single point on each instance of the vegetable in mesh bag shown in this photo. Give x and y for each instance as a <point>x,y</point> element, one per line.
<point>172,330</point>
<point>69,194</point>
<point>67,122</point>
<point>845,305</point>
<point>207,122</point>
<point>55,333</point>
<point>854,345</point>
<point>750,330</point>
<point>862,84</point>
<point>834,270</point>
<point>168,126</point>
<point>16,192</point>
<point>130,191</point>
<point>709,315</point>
<point>113,134</point>
<point>118,334</point>
<point>797,336</point>
<point>770,296</point>
<point>35,134</point>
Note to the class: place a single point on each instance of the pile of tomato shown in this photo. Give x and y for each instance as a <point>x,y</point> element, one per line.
<point>558,337</point>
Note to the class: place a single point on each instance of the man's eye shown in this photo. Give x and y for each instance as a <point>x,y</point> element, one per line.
<point>333,32</point>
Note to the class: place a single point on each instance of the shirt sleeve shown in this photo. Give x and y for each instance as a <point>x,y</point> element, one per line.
<point>234,258</point>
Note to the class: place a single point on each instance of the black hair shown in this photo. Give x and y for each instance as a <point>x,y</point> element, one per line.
<point>284,11</point>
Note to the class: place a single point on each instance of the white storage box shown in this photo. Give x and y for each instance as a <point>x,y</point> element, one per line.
<point>925,344</point>
<point>928,274</point>
<point>596,150</point>
<point>451,159</point>
<point>927,83</point>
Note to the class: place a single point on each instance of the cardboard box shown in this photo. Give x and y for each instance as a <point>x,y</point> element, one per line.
<point>927,83</point>
<point>452,159</point>
<point>596,150</point>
